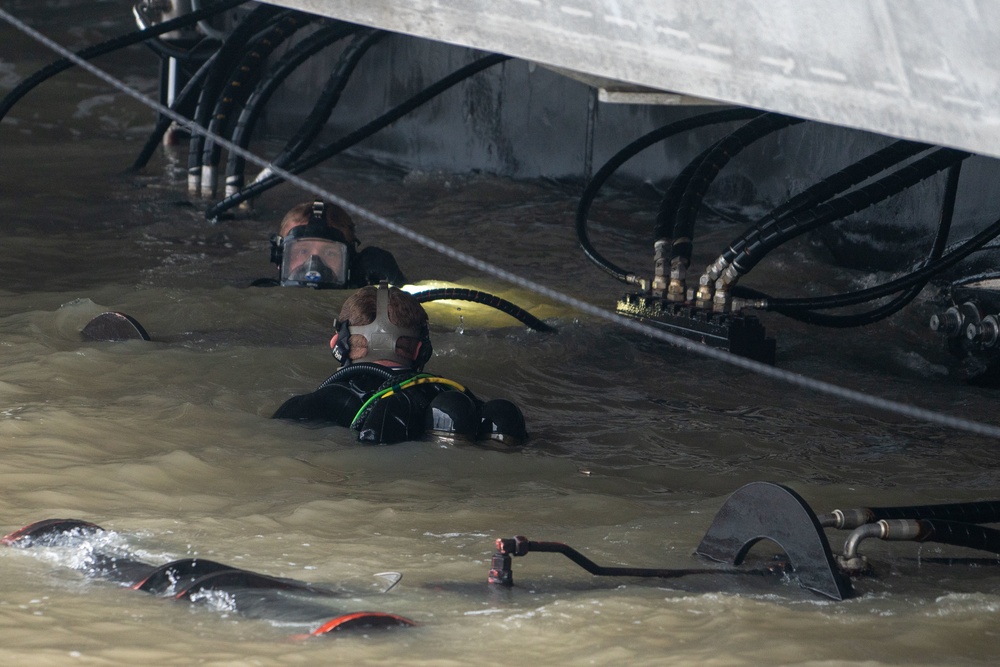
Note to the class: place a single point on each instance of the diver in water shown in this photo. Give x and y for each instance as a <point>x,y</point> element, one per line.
<point>316,246</point>
<point>381,391</point>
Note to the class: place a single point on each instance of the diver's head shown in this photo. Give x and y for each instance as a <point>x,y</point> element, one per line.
<point>314,246</point>
<point>382,325</point>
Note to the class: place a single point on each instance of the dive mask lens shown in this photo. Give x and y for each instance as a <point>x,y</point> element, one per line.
<point>314,262</point>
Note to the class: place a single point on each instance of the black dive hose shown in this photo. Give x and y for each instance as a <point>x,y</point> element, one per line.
<point>345,142</point>
<point>829,187</point>
<point>184,105</point>
<point>487,299</point>
<point>928,270</point>
<point>243,79</point>
<point>197,52</point>
<point>47,72</point>
<point>328,98</point>
<point>759,245</point>
<point>708,169</point>
<point>962,535</point>
<point>667,212</point>
<point>622,156</point>
<point>228,56</point>
<point>983,511</point>
<point>942,531</point>
<point>894,306</point>
<point>361,368</point>
<point>922,274</point>
<point>288,63</point>
<point>886,289</point>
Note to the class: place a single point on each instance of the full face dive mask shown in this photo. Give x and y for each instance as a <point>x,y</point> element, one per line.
<point>312,255</point>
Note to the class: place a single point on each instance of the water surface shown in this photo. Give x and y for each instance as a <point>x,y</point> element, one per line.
<point>635,445</point>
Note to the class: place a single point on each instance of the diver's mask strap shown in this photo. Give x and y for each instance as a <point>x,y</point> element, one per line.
<point>382,334</point>
<point>277,248</point>
<point>318,213</point>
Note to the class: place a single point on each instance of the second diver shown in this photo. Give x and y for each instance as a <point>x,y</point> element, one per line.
<point>381,392</point>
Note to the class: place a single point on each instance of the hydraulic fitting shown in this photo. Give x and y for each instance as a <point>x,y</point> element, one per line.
<point>989,331</point>
<point>703,297</point>
<point>948,323</point>
<point>677,289</point>
<point>660,266</point>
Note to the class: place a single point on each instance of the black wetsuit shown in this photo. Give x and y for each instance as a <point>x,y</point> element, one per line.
<point>368,267</point>
<point>373,265</point>
<point>394,418</point>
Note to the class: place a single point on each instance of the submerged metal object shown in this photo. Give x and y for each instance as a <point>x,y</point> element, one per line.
<point>765,510</point>
<point>112,326</point>
<point>757,511</point>
<point>740,334</point>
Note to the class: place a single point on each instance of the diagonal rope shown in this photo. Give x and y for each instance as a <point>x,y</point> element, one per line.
<point>820,386</point>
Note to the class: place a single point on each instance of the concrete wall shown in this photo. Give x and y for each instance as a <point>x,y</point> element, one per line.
<point>524,120</point>
<point>915,70</point>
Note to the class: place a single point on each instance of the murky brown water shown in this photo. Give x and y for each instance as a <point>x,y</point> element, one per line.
<point>635,445</point>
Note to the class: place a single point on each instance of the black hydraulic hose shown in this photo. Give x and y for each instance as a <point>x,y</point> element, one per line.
<point>829,187</point>
<point>47,72</point>
<point>942,531</point>
<point>345,142</point>
<point>982,511</point>
<point>622,156</point>
<point>360,368</point>
<point>709,168</point>
<point>328,99</point>
<point>960,534</point>
<point>667,212</point>
<point>226,60</point>
<point>894,306</point>
<point>487,299</point>
<point>759,245</point>
<point>197,52</point>
<point>241,82</point>
<point>184,105</point>
<point>925,272</point>
<point>288,63</point>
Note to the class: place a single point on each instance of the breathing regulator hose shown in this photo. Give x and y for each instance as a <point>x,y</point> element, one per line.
<point>324,153</point>
<point>620,158</point>
<point>47,72</point>
<point>486,299</point>
<point>360,368</point>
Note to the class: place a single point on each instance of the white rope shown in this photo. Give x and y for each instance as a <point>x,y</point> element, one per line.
<point>796,379</point>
